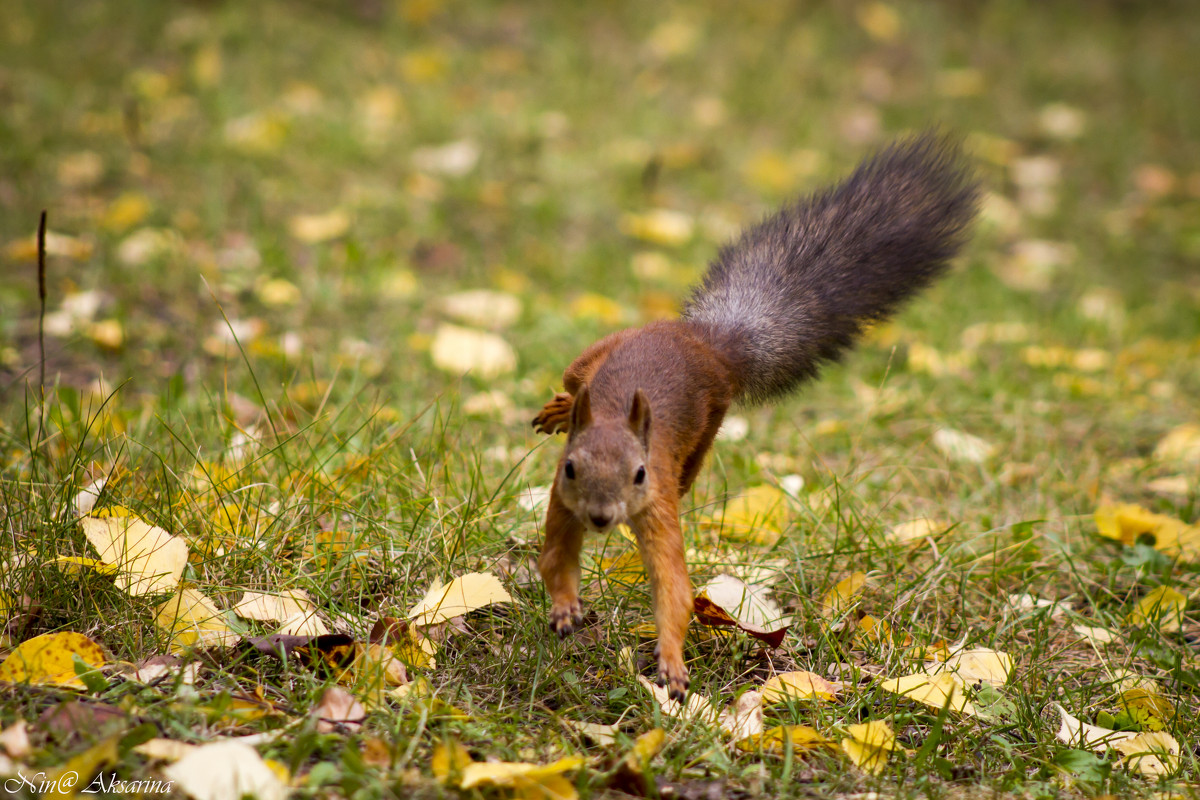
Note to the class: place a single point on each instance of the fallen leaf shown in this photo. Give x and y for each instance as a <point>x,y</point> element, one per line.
<point>462,595</point>
<point>698,707</point>
<point>454,159</point>
<point>192,620</point>
<point>150,560</point>
<point>85,499</point>
<point>1129,524</point>
<point>632,775</point>
<point>839,600</point>
<point>168,750</point>
<point>962,447</point>
<point>759,515</point>
<point>482,308</point>
<point>603,735</point>
<point>744,717</point>
<point>868,745</point>
<point>726,600</point>
<point>49,659</point>
<point>915,531</point>
<point>802,737</point>
<point>1162,608</point>
<point>596,306</point>
<point>459,350</point>
<point>659,226</point>
<point>292,608</point>
<point>242,772</point>
<point>1076,733</point>
<point>317,228</point>
<point>1154,754</point>
<point>937,691</point>
<point>1181,445</point>
<point>980,664</point>
<point>338,709</point>
<point>520,775</point>
<point>1097,636</point>
<point>15,740</point>
<point>798,685</point>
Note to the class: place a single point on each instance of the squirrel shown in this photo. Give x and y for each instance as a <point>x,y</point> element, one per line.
<point>642,406</point>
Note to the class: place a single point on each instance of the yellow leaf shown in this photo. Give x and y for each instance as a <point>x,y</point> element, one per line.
<point>57,244</point>
<point>1150,710</point>
<point>107,333</point>
<point>192,620</point>
<point>316,228</point>
<point>868,745</point>
<point>645,748</point>
<point>981,664</point>
<point>480,773</point>
<point>759,515</point>
<point>266,607</point>
<point>626,568</point>
<point>74,564</point>
<point>458,350</point>
<point>880,20</point>
<point>278,292</point>
<point>596,306</point>
<point>66,778</point>
<point>915,531</point>
<point>872,631</point>
<point>206,65</point>
<point>463,594</point>
<point>962,447</point>
<point>257,133</point>
<point>798,685</point>
<point>423,66</point>
<point>449,759</point>
<point>1127,522</point>
<point>1181,445</point>
<point>150,560</point>
<point>1162,608</point>
<point>1154,754</point>
<point>127,210</point>
<point>936,691</point>
<point>802,737</point>
<point>50,659</point>
<point>840,598</point>
<point>659,226</point>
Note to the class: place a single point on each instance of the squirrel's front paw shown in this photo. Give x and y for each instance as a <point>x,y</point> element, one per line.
<point>674,675</point>
<point>555,415</point>
<point>564,618</point>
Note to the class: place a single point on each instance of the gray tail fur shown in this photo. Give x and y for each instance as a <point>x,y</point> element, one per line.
<point>796,290</point>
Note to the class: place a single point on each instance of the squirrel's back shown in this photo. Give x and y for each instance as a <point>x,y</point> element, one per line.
<point>797,289</point>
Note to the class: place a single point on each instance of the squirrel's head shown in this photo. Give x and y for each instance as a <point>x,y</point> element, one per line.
<point>603,476</point>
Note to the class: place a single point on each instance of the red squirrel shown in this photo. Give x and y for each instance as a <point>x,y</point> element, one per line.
<point>642,406</point>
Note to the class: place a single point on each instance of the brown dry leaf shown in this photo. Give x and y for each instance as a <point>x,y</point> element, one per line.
<point>150,560</point>
<point>840,599</point>
<point>464,594</point>
<point>937,691</point>
<point>802,737</point>
<point>868,745</point>
<point>798,685</point>
<point>758,516</point>
<point>336,709</point>
<point>193,621</point>
<point>1162,608</point>
<point>459,350</point>
<point>49,659</point>
<point>242,772</point>
<point>726,600</point>
<point>744,717</point>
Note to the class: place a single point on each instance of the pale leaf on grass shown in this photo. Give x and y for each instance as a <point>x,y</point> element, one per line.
<point>1096,636</point>
<point>744,717</point>
<point>150,560</point>
<point>726,600</point>
<point>1076,733</point>
<point>1180,446</point>
<point>937,691</point>
<point>85,499</point>
<point>14,740</point>
<point>242,772</point>
<point>1026,602</point>
<point>962,447</point>
<point>869,744</point>
<point>603,735</point>
<point>798,685</point>
<point>459,350</point>
<point>316,228</point>
<point>980,664</point>
<point>915,531</point>
<point>336,709</point>
<point>463,594</point>
<point>193,621</point>
<point>482,308</point>
<point>1154,753</point>
<point>49,659</point>
<point>698,707</point>
<point>292,608</point>
<point>168,750</point>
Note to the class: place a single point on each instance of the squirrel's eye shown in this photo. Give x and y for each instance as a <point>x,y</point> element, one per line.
<point>639,477</point>
<point>569,468</point>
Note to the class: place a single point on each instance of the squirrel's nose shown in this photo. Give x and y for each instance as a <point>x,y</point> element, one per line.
<point>601,520</point>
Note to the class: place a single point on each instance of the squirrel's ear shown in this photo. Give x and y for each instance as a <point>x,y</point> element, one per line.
<point>639,417</point>
<point>581,411</point>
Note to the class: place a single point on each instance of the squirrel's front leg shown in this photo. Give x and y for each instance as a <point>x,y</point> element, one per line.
<point>661,543</point>
<point>559,565</point>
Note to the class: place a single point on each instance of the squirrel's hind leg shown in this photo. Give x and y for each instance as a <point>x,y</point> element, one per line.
<point>555,416</point>
<point>559,565</point>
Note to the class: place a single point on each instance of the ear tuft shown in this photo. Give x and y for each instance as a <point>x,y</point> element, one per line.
<point>581,411</point>
<point>639,417</point>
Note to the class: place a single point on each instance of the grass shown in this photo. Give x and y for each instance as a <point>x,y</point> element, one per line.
<point>273,399</point>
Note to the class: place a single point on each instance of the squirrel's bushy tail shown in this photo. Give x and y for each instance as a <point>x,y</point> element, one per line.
<point>796,290</point>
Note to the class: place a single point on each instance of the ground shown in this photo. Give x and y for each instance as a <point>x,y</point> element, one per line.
<point>263,218</point>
